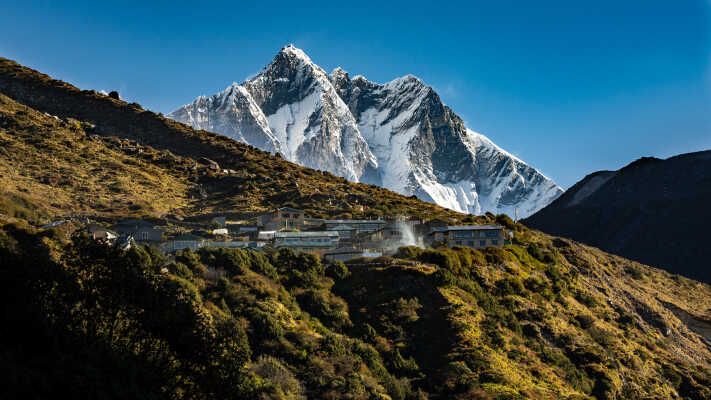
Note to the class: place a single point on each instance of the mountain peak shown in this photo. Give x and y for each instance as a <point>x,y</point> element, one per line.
<point>398,135</point>
<point>292,51</point>
<point>339,72</point>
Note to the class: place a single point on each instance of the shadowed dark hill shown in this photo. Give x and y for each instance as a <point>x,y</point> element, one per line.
<point>653,211</point>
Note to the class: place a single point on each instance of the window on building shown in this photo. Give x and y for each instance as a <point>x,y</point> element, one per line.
<point>470,243</point>
<point>495,242</point>
<point>459,242</point>
<point>482,243</point>
<point>492,234</point>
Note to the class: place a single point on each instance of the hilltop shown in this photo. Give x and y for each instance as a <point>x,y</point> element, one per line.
<point>653,211</point>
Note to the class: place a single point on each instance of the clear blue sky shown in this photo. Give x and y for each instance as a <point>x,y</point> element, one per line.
<point>570,88</point>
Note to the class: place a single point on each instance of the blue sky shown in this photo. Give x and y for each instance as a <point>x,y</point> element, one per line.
<point>569,87</point>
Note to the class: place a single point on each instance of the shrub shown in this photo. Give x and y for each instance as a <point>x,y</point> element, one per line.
<point>535,252</point>
<point>585,321</point>
<point>329,309</point>
<point>401,364</point>
<point>494,255</point>
<point>634,272</point>
<point>505,220</point>
<point>535,284</point>
<point>509,286</point>
<point>408,252</point>
<point>444,277</point>
<point>405,310</point>
<point>266,325</point>
<point>560,282</point>
<point>338,270</point>
<point>626,320</point>
<point>181,270</point>
<point>274,372</point>
<point>587,299</point>
<point>444,258</point>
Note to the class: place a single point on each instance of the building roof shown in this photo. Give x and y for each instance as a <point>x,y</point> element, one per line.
<point>474,227</point>
<point>305,234</point>
<point>353,221</point>
<point>96,228</point>
<point>265,235</point>
<point>341,228</point>
<point>306,244</point>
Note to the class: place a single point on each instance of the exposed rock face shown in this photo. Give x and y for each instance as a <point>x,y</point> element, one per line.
<point>398,135</point>
<point>424,148</point>
<point>233,113</point>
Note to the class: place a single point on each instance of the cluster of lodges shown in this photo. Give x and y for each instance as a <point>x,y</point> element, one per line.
<point>334,240</point>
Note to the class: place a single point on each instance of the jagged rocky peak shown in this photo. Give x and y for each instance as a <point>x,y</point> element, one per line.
<point>309,118</point>
<point>399,135</point>
<point>233,113</point>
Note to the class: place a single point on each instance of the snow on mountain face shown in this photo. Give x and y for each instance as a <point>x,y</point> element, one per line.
<point>309,119</point>
<point>398,135</point>
<point>232,113</point>
<point>423,148</point>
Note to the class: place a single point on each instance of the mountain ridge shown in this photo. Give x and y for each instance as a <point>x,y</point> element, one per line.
<point>404,138</point>
<point>651,210</point>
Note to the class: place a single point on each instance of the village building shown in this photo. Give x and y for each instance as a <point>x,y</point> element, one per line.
<point>425,227</point>
<point>438,235</point>
<point>220,231</point>
<point>318,241</point>
<point>281,218</point>
<point>266,236</point>
<point>345,232</point>
<point>140,230</point>
<point>237,244</point>
<point>246,231</point>
<point>476,236</point>
<point>98,232</point>
<point>185,241</point>
<point>358,225</point>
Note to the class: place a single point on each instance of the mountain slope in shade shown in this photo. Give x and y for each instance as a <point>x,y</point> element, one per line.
<point>397,135</point>
<point>653,211</point>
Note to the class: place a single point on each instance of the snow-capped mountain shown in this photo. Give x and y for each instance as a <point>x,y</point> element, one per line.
<point>398,135</point>
<point>232,113</point>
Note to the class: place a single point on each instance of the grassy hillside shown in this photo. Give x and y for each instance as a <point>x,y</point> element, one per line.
<point>52,167</point>
<point>541,319</point>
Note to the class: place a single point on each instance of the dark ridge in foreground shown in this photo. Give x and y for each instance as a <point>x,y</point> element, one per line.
<point>654,211</point>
